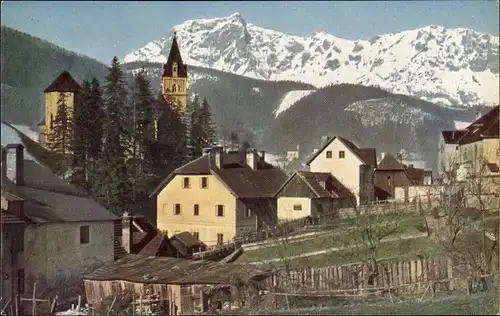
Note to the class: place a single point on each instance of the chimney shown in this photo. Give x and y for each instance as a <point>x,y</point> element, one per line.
<point>4,163</point>
<point>127,232</point>
<point>383,156</point>
<point>215,157</point>
<point>478,114</point>
<point>399,157</point>
<point>252,158</point>
<point>15,155</point>
<point>263,156</point>
<point>410,165</point>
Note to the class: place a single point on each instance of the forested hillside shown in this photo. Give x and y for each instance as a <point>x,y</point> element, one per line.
<point>29,65</point>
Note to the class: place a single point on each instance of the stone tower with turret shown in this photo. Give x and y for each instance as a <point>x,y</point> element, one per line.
<point>175,78</point>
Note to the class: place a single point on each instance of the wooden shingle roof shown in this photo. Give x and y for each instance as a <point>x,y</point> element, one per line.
<point>63,83</point>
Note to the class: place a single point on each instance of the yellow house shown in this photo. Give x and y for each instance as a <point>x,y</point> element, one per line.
<point>66,85</point>
<point>219,196</point>
<point>351,165</point>
<point>175,78</point>
<point>311,194</point>
<point>477,147</point>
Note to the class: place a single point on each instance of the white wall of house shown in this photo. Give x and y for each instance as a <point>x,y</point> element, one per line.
<point>346,169</point>
<point>54,255</point>
<point>449,155</point>
<point>288,207</point>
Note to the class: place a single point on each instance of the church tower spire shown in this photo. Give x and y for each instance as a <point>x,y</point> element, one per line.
<point>174,79</point>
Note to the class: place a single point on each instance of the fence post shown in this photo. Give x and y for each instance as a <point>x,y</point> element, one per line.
<point>449,267</point>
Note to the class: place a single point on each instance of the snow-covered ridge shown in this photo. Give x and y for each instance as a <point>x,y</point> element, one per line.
<point>289,99</point>
<point>446,66</point>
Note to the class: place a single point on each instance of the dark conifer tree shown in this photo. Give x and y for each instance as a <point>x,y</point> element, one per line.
<point>168,151</point>
<point>208,136</point>
<point>94,130</point>
<point>113,178</point>
<point>194,129</point>
<point>80,141</point>
<point>61,134</point>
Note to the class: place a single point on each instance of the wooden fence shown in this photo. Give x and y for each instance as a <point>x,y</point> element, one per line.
<point>391,275</point>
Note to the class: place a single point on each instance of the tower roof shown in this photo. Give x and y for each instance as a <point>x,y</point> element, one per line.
<point>175,56</point>
<point>63,83</point>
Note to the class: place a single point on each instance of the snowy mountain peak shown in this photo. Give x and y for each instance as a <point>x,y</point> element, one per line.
<point>452,67</point>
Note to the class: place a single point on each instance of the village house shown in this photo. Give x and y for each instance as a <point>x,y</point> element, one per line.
<point>476,148</point>
<point>219,196</point>
<point>392,173</point>
<point>54,233</point>
<point>352,166</point>
<point>308,193</point>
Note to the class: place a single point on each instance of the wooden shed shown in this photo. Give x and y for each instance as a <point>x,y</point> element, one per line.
<point>183,286</point>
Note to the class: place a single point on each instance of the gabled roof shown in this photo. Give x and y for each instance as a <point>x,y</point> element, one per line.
<point>47,198</point>
<point>239,178</point>
<point>366,155</point>
<point>175,56</point>
<point>317,182</point>
<point>389,162</point>
<point>452,137</point>
<point>63,83</point>
<point>484,127</point>
<point>187,239</point>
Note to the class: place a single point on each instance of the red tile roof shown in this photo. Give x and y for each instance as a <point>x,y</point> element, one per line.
<point>484,127</point>
<point>175,56</point>
<point>63,83</point>
<point>367,155</point>
<point>452,137</point>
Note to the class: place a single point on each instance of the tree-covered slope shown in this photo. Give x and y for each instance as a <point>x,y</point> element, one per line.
<point>29,64</point>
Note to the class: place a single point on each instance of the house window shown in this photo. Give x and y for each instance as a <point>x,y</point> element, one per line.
<point>389,180</point>
<point>220,239</point>
<point>297,207</point>
<point>84,234</point>
<point>196,209</point>
<point>196,235</point>
<point>329,154</point>
<point>20,281</point>
<point>185,183</point>
<point>174,88</point>
<point>248,212</point>
<point>177,209</point>
<point>220,210</point>
<point>498,152</point>
<point>341,154</point>
<point>204,182</point>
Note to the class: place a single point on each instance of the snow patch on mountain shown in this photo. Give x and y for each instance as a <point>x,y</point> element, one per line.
<point>446,66</point>
<point>461,125</point>
<point>379,111</point>
<point>289,99</point>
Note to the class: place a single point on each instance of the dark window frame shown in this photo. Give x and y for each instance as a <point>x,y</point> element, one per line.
<point>341,154</point>
<point>299,207</point>
<point>84,234</point>
<point>204,182</point>
<point>219,209</point>
<point>186,183</point>
<point>220,238</point>
<point>177,210</point>
<point>196,210</point>
<point>329,154</point>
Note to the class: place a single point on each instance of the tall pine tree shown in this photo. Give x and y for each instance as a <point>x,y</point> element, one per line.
<point>143,135</point>
<point>208,136</point>
<point>194,129</point>
<point>114,182</point>
<point>168,151</point>
<point>61,134</point>
<point>80,138</point>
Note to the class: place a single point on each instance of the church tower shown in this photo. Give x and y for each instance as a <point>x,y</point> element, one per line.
<point>174,79</point>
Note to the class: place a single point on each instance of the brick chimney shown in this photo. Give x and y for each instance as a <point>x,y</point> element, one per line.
<point>15,163</point>
<point>263,156</point>
<point>127,232</point>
